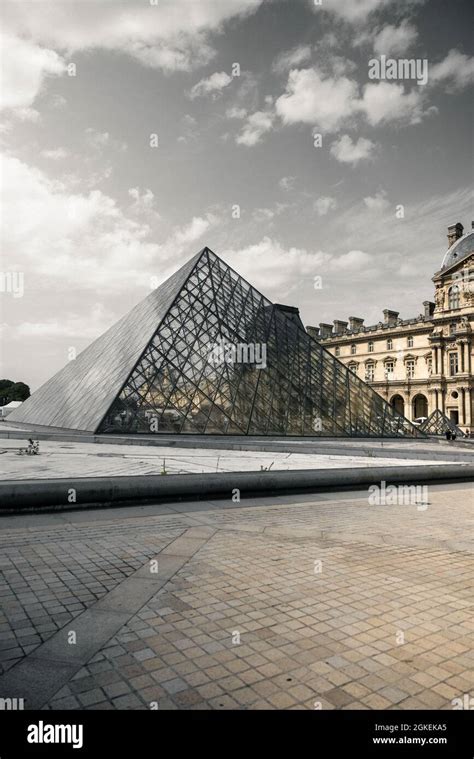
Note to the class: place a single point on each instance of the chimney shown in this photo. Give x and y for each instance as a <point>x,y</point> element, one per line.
<point>325,330</point>
<point>339,327</point>
<point>355,323</point>
<point>454,233</point>
<point>390,317</point>
<point>429,308</point>
<point>313,332</point>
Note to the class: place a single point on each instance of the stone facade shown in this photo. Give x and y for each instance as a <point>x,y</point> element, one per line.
<point>424,363</point>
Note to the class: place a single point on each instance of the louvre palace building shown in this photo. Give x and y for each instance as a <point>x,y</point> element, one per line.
<point>422,364</point>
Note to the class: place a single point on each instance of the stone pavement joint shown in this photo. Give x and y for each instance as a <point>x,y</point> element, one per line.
<point>334,600</point>
<point>50,666</point>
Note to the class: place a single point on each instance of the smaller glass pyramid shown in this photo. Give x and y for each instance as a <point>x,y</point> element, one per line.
<point>438,424</point>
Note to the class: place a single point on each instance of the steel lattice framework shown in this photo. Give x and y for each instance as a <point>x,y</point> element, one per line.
<point>185,360</point>
<point>438,424</point>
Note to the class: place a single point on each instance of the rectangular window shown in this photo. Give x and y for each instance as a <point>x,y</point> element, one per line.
<point>338,351</point>
<point>369,372</point>
<point>389,367</point>
<point>410,369</point>
<point>453,363</point>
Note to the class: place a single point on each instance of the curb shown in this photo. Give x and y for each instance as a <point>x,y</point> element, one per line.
<point>17,496</point>
<point>461,450</point>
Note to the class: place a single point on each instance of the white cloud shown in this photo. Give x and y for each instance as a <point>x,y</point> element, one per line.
<point>292,58</point>
<point>97,139</point>
<point>287,183</point>
<point>267,214</point>
<point>27,114</point>
<point>84,241</point>
<point>81,238</point>
<point>457,70</point>
<point>168,35</point>
<point>212,85</point>
<point>189,126</point>
<point>24,68</point>
<point>311,98</point>
<point>324,204</point>
<point>263,214</point>
<point>58,101</point>
<point>194,230</point>
<point>377,202</point>
<point>55,154</point>
<point>394,40</point>
<point>100,140</point>
<point>236,113</point>
<point>351,10</point>
<point>274,268</point>
<point>351,261</point>
<point>257,124</point>
<point>271,266</point>
<point>347,151</point>
<point>142,201</point>
<point>388,102</point>
<point>182,53</point>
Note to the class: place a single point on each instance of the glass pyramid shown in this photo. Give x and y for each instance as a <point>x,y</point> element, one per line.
<point>438,424</point>
<point>225,360</point>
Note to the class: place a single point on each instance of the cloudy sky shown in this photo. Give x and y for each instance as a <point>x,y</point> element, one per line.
<point>135,133</point>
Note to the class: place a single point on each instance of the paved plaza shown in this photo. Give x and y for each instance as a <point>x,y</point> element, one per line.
<point>302,601</point>
<point>70,459</point>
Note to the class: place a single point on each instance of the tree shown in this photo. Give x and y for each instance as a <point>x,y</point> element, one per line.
<point>13,391</point>
<point>5,385</point>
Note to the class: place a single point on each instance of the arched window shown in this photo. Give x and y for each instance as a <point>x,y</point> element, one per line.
<point>371,346</point>
<point>398,404</point>
<point>410,341</point>
<point>453,297</point>
<point>353,350</point>
<point>389,344</point>
<point>419,406</point>
<point>337,351</point>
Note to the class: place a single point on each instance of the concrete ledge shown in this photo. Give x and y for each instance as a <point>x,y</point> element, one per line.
<point>24,495</point>
<point>461,450</point>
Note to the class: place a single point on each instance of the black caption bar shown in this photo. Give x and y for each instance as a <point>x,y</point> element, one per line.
<point>134,733</point>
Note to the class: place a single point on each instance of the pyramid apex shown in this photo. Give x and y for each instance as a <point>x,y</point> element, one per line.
<point>207,249</point>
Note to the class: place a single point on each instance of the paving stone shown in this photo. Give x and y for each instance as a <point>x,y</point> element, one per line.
<point>329,637</point>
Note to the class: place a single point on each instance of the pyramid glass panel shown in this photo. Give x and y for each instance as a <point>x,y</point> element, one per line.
<point>225,360</point>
